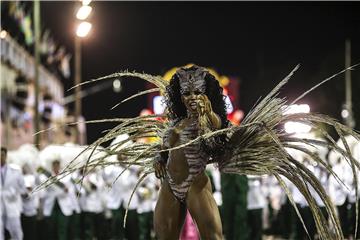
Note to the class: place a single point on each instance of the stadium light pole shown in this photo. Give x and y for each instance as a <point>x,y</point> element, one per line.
<point>348,111</point>
<point>82,31</point>
<point>36,77</point>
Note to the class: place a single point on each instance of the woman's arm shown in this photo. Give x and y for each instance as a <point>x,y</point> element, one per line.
<point>205,110</point>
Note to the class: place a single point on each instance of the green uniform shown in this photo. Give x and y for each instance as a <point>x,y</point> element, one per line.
<point>57,224</point>
<point>132,225</point>
<point>74,226</point>
<point>29,225</point>
<point>145,225</point>
<point>234,208</point>
<point>254,219</point>
<point>283,220</point>
<point>92,226</point>
<point>117,222</point>
<point>299,232</point>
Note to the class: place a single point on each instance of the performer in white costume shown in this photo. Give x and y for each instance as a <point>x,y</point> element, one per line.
<point>12,189</point>
<point>57,204</point>
<point>255,205</point>
<point>344,196</point>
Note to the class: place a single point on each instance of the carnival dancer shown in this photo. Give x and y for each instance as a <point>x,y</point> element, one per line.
<point>195,132</point>
<point>197,105</point>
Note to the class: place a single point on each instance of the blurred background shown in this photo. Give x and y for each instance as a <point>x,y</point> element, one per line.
<point>256,43</point>
<point>49,47</point>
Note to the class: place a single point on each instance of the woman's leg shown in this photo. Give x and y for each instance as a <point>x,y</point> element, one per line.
<point>203,208</point>
<point>169,215</point>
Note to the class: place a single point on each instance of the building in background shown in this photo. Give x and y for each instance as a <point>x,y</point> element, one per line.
<point>17,72</point>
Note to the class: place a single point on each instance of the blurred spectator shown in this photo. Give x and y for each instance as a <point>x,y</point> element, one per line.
<point>343,195</point>
<point>57,204</point>
<point>234,214</point>
<point>12,189</point>
<point>30,205</point>
<point>91,205</point>
<point>114,200</point>
<point>147,192</point>
<point>255,205</point>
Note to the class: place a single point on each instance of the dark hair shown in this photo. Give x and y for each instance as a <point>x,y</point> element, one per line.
<point>4,149</point>
<point>176,107</point>
<point>56,161</point>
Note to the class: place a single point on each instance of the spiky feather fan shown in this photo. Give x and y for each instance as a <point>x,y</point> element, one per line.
<point>256,147</point>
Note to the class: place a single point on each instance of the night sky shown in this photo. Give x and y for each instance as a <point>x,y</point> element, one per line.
<point>257,42</point>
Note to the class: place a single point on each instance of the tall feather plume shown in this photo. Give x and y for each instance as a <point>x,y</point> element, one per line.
<point>257,147</point>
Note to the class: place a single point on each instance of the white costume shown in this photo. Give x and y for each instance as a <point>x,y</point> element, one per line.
<point>55,193</point>
<point>147,192</point>
<point>216,177</point>
<point>339,192</point>
<point>114,194</point>
<point>12,186</point>
<point>130,177</point>
<point>255,196</point>
<point>31,203</point>
<point>91,193</point>
<point>121,187</point>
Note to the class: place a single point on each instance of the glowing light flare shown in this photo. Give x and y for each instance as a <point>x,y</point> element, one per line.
<point>236,116</point>
<point>83,29</point>
<point>225,91</point>
<point>117,85</point>
<point>229,106</point>
<point>158,104</point>
<point>3,34</point>
<point>345,113</point>
<point>297,108</point>
<point>86,2</point>
<point>145,112</point>
<point>239,115</point>
<point>296,127</point>
<point>83,12</point>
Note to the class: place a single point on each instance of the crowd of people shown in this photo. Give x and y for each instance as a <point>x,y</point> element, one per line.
<point>91,203</point>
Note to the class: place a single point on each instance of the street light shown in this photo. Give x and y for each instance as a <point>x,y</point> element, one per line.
<point>86,2</point>
<point>296,127</point>
<point>82,31</point>
<point>83,12</point>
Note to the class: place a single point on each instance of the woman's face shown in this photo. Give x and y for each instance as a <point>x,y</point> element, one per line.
<point>192,89</point>
<point>192,100</point>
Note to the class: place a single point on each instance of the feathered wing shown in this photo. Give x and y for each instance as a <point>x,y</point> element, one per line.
<point>137,153</point>
<point>256,147</point>
<point>131,150</point>
<point>259,145</point>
